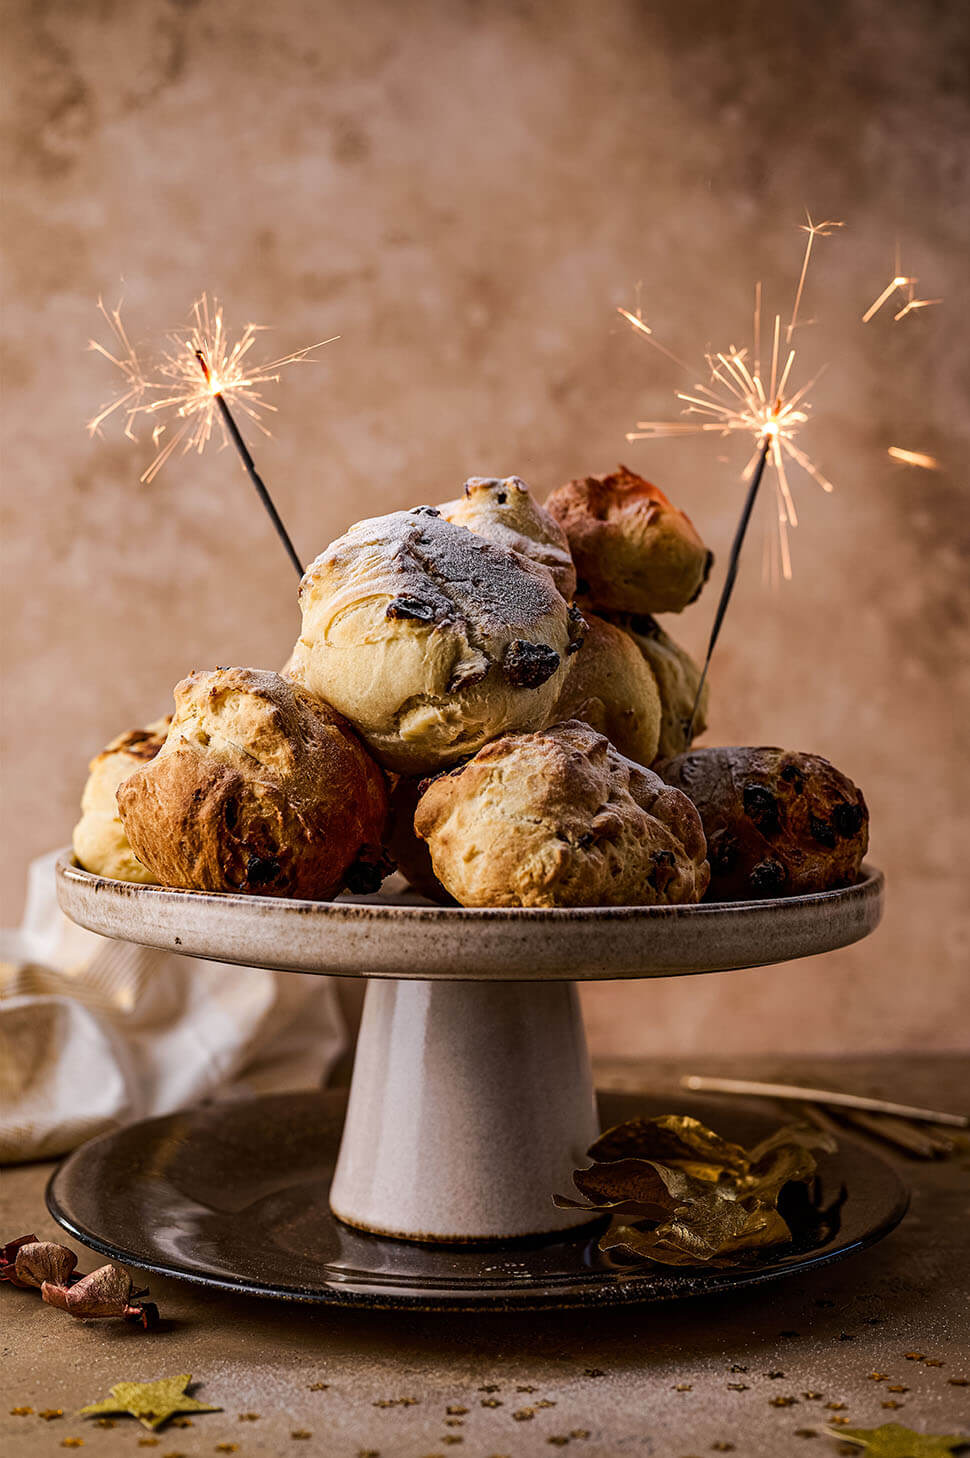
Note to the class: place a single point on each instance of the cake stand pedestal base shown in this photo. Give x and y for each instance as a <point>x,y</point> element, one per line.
<point>471,1103</point>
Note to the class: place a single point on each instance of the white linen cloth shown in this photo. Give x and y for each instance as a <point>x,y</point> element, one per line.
<point>95,1032</point>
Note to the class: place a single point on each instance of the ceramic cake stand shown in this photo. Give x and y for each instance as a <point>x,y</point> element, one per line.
<point>471,1102</point>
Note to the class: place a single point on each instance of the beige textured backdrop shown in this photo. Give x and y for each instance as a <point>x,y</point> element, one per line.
<point>464,192</point>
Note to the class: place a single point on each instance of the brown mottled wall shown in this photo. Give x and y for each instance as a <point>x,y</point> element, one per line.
<point>464,192</point>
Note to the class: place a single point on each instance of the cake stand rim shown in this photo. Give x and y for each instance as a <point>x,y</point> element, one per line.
<point>545,933</point>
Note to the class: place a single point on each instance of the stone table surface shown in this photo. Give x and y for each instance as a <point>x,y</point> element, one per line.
<point>756,1374</point>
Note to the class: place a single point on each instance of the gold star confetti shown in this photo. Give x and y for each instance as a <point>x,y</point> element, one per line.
<point>544,1402</point>
<point>106,1423</point>
<point>782,1401</point>
<point>878,1376</point>
<point>533,1389</point>
<point>317,1386</point>
<point>933,1362</point>
<point>452,1438</point>
<point>454,1423</point>
<point>835,1406</point>
<point>300,1433</point>
<point>913,1356</point>
<point>738,1386</point>
<point>524,1414</point>
<point>813,1396</point>
<point>893,1404</point>
<point>558,1440</point>
<point>50,1413</point>
<point>897,1388</point>
<point>959,1381</point>
<point>722,1447</point>
<point>72,1442</point>
<point>839,1420</point>
<point>21,1411</point>
<point>491,1402</point>
<point>894,1441</point>
<point>490,1387</point>
<point>456,1410</point>
<point>227,1447</point>
<point>152,1403</point>
<point>682,1387</point>
<point>774,1375</point>
<point>736,1367</point>
<point>249,1417</point>
<point>579,1433</point>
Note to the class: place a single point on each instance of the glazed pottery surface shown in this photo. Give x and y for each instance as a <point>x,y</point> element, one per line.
<point>472,1095</point>
<point>401,935</point>
<point>234,1197</point>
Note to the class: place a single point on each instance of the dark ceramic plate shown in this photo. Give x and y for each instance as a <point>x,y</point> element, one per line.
<point>234,1196</point>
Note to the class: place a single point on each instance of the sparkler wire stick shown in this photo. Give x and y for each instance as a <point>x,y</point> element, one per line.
<point>250,465</point>
<point>732,570</point>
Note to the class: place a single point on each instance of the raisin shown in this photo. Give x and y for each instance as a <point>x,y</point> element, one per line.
<point>529,665</point>
<point>822,831</point>
<point>411,607</point>
<point>768,877</point>
<point>261,870</point>
<point>848,820</point>
<point>761,807</point>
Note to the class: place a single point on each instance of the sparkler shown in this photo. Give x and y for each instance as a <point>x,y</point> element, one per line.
<point>913,458</point>
<point>740,399</point>
<point>896,285</point>
<point>187,392</point>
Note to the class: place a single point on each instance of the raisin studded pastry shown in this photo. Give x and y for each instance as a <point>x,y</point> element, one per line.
<point>100,842</point>
<point>505,512</point>
<point>259,787</point>
<point>431,639</point>
<point>406,848</point>
<point>677,677</point>
<point>610,686</point>
<point>560,818</point>
<point>634,552</point>
<point>777,823</point>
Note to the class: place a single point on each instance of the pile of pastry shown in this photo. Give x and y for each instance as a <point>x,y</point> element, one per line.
<point>481,696</point>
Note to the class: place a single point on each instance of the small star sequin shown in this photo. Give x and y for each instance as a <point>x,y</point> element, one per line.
<point>959,1381</point>
<point>454,1423</point>
<point>21,1411</point>
<point>682,1387</point>
<point>913,1356</point>
<point>878,1376</point>
<point>545,1402</point>
<point>933,1362</point>
<point>527,1389</point>
<point>50,1413</point>
<point>736,1367</point>
<point>491,1402</point>
<point>227,1447</point>
<point>300,1433</point>
<point>106,1423</point>
<point>838,1421</point>
<point>782,1401</point>
<point>524,1414</point>
<point>456,1409</point>
<point>897,1388</point>
<point>774,1375</point>
<point>579,1433</point>
<point>249,1417</point>
<point>813,1396</point>
<point>72,1442</point>
<point>558,1440</point>
<point>835,1406</point>
<point>738,1386</point>
<point>893,1405</point>
<point>317,1386</point>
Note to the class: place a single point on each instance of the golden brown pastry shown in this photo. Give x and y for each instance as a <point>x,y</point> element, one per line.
<point>259,787</point>
<point>611,688</point>
<point>100,842</point>
<point>778,823</point>
<point>634,552</point>
<point>504,511</point>
<point>677,677</point>
<point>431,639</point>
<point>560,818</point>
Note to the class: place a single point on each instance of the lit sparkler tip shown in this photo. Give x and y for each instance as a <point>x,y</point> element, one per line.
<point>180,391</point>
